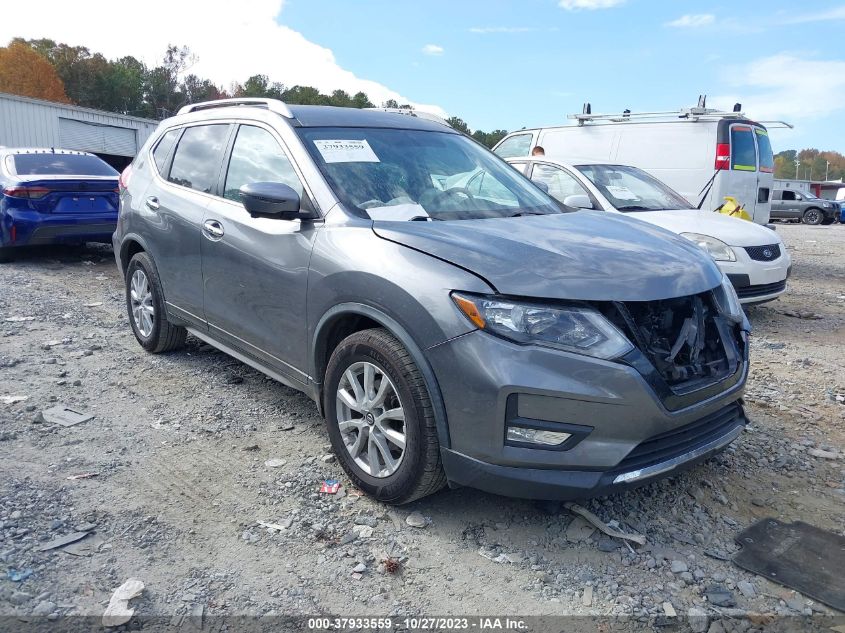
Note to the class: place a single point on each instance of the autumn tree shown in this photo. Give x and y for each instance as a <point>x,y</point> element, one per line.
<point>25,72</point>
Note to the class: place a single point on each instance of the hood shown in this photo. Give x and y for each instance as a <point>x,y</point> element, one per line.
<point>589,255</point>
<point>732,231</point>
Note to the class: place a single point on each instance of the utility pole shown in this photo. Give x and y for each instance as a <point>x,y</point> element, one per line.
<point>826,171</point>
<point>797,165</point>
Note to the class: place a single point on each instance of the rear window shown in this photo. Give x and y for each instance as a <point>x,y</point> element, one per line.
<point>162,150</point>
<point>61,165</point>
<point>743,150</point>
<point>198,155</point>
<point>514,146</point>
<point>767,159</point>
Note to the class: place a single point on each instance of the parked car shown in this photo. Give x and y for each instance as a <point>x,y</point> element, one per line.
<point>752,256</point>
<point>445,336</point>
<point>687,150</point>
<point>803,206</point>
<point>841,204</point>
<point>52,196</point>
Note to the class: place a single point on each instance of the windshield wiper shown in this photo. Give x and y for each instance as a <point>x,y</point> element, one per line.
<point>520,214</point>
<point>635,207</point>
<point>424,218</point>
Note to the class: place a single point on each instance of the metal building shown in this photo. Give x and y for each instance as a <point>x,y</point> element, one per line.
<point>27,122</point>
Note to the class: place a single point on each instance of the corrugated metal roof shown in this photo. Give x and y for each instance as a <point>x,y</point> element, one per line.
<point>75,108</point>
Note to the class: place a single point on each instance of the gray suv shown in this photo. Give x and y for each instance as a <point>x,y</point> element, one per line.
<point>803,206</point>
<point>451,321</point>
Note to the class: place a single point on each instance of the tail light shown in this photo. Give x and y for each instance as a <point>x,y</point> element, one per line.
<point>32,193</point>
<point>124,178</point>
<point>723,156</point>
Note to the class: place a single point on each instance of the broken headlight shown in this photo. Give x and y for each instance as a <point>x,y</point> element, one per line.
<point>728,301</point>
<point>718,250</point>
<point>571,328</point>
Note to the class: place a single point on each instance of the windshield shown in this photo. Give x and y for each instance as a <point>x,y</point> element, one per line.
<point>391,174</point>
<point>631,189</point>
<point>49,164</point>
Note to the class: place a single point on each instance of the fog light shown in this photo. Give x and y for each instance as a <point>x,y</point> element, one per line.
<point>536,436</point>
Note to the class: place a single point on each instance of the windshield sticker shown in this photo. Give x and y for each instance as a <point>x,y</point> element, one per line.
<point>622,193</point>
<point>346,151</point>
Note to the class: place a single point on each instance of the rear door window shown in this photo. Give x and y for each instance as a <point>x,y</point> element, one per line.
<point>49,164</point>
<point>162,150</point>
<point>198,155</point>
<point>764,149</point>
<point>515,146</point>
<point>743,149</point>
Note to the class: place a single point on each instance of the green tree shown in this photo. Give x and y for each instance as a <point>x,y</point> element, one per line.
<point>459,124</point>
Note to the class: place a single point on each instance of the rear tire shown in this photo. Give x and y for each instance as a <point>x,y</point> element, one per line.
<point>812,216</point>
<point>145,304</point>
<point>407,473</point>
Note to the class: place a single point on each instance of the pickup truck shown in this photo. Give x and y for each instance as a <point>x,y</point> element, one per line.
<point>803,206</point>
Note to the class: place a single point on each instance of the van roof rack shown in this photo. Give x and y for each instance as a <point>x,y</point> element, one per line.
<point>692,114</point>
<point>274,105</point>
<point>428,116</point>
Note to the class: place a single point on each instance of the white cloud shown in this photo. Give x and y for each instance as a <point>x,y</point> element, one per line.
<point>785,86</point>
<point>693,20</point>
<point>432,49</point>
<point>837,13</point>
<point>232,40</point>
<point>590,5</point>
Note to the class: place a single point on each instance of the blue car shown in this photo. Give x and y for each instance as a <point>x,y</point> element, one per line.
<point>53,196</point>
<point>842,211</point>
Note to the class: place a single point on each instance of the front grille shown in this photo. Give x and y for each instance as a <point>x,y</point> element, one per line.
<point>763,253</point>
<point>681,337</point>
<point>684,439</point>
<point>761,290</point>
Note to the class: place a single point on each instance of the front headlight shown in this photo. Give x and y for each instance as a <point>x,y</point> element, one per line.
<point>729,301</point>
<point>718,250</point>
<point>826,205</point>
<point>575,329</point>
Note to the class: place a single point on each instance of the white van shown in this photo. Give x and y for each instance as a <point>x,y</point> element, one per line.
<point>687,150</point>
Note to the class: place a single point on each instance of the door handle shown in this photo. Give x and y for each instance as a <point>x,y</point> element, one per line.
<point>152,203</point>
<point>213,230</point>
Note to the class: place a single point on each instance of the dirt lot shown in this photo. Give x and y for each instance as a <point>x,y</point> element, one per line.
<point>181,442</point>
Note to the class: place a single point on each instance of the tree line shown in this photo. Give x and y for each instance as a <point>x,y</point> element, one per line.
<point>809,164</point>
<point>46,69</point>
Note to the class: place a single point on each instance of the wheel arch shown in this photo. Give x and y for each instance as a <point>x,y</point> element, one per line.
<point>348,318</point>
<point>130,245</point>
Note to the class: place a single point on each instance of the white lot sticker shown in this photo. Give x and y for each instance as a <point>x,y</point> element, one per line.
<point>622,193</point>
<point>346,151</point>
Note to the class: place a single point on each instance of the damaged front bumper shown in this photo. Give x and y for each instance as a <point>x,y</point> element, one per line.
<point>628,421</point>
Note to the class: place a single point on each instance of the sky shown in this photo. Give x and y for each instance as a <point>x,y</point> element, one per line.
<point>497,63</point>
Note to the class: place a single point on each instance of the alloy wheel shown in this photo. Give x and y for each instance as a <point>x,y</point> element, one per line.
<point>371,419</point>
<point>141,298</point>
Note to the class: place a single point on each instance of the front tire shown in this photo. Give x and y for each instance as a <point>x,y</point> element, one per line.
<point>812,217</point>
<point>145,304</point>
<point>380,418</point>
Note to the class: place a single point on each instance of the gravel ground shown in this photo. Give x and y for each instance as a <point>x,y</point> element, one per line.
<point>193,448</point>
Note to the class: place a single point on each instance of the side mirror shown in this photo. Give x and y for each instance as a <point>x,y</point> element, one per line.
<point>579,201</point>
<point>272,199</point>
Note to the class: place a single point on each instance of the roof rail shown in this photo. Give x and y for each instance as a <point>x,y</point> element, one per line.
<point>693,114</point>
<point>274,105</point>
<point>777,124</point>
<point>428,116</point>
